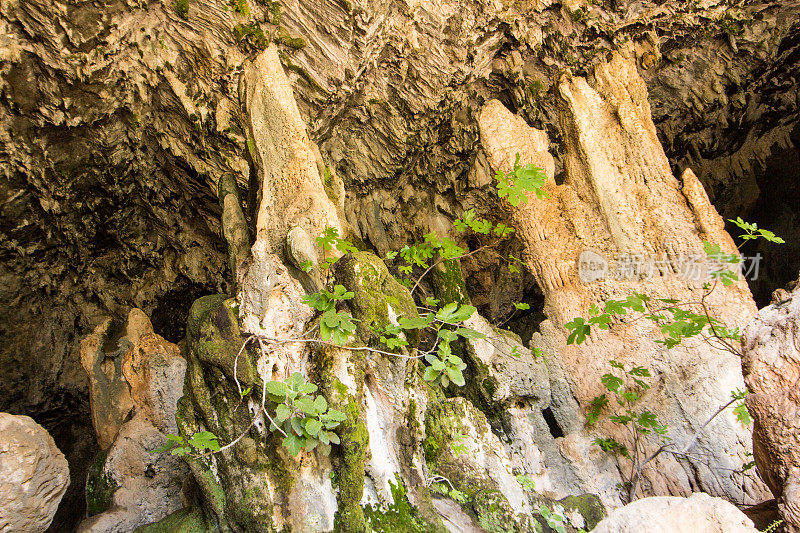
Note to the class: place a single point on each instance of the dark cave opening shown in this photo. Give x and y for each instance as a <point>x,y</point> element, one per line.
<point>777,209</point>
<point>172,309</point>
<point>552,423</point>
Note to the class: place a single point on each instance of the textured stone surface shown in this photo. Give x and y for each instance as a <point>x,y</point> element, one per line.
<point>771,367</point>
<point>109,392</point>
<point>699,513</point>
<point>33,475</point>
<point>154,370</point>
<point>146,486</point>
<point>291,191</point>
<point>119,120</point>
<point>128,485</point>
<point>620,196</point>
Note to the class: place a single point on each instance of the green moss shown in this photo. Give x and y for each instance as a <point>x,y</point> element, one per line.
<point>282,36</point>
<point>400,517</point>
<point>182,9</point>
<point>100,487</point>
<point>251,35</point>
<point>375,291</point>
<point>241,7</point>
<point>588,505</point>
<point>214,338</point>
<point>188,520</point>
<point>354,447</point>
<point>493,513</point>
<point>448,283</point>
<point>443,420</point>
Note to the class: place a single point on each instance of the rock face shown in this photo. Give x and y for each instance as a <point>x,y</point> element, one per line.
<point>771,367</point>
<point>33,475</point>
<point>129,486</point>
<point>619,196</point>
<point>699,513</point>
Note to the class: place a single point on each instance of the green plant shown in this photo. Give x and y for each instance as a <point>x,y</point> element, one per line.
<point>199,444</point>
<point>442,485</point>
<point>336,326</point>
<point>526,482</point>
<point>457,444</point>
<point>513,185</point>
<point>773,526</point>
<point>306,421</point>
<point>555,519</point>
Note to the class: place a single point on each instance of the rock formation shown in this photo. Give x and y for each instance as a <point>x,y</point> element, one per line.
<point>771,369</point>
<point>620,197</point>
<point>33,475</point>
<point>129,486</point>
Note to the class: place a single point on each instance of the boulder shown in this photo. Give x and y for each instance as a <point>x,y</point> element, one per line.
<point>34,475</point>
<point>699,513</point>
<point>771,366</point>
<point>154,370</point>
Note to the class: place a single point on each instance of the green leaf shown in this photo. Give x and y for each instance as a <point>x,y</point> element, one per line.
<point>336,415</point>
<point>416,322</point>
<point>294,443</point>
<point>320,404</point>
<point>742,414</point>
<point>340,293</point>
<point>468,333</point>
<point>313,427</point>
<point>430,374</point>
<point>455,376</point>
<point>205,440</point>
<point>281,412</point>
<point>307,388</point>
<point>306,405</point>
<point>277,388</point>
<point>452,314</point>
<point>579,330</point>
<point>611,382</point>
<point>522,306</point>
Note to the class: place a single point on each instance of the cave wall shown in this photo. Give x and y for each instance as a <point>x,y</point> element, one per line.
<point>119,117</point>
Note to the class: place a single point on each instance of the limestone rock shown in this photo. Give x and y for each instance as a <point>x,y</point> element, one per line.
<point>512,369</point>
<point>619,196</point>
<point>154,370</point>
<point>699,513</point>
<point>481,469</point>
<point>771,367</point>
<point>33,475</point>
<point>130,486</point>
<point>109,393</point>
<point>292,193</point>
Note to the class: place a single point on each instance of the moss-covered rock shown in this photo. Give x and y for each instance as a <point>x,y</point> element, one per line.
<point>378,294</point>
<point>588,505</point>
<point>100,487</point>
<point>188,520</point>
<point>399,517</point>
<point>448,283</point>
